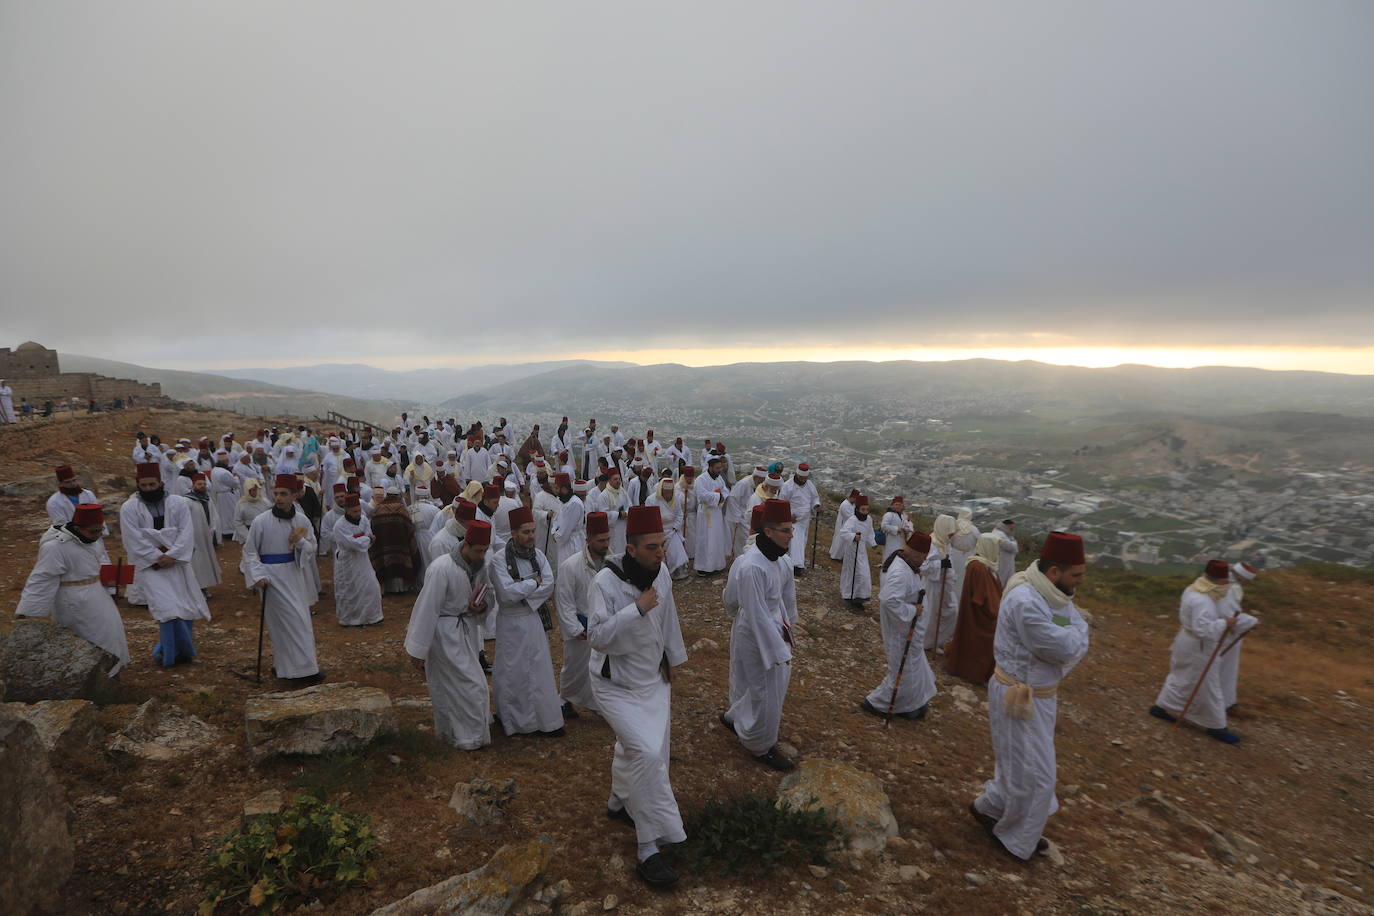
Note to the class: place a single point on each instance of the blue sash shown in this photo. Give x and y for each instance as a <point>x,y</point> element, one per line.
<point>273,559</point>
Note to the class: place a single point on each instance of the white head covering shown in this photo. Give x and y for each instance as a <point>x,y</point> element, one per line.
<point>965,523</point>
<point>945,526</point>
<point>1243,572</point>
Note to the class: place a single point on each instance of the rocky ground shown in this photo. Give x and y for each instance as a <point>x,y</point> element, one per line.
<point>1154,819</point>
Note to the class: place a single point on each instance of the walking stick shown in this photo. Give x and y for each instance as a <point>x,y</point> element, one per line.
<point>906,650</point>
<point>1233,642</point>
<point>1198,686</point>
<point>940,608</point>
<point>262,617</point>
<point>815,527</point>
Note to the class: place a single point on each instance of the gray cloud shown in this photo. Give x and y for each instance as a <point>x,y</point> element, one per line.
<point>430,175</point>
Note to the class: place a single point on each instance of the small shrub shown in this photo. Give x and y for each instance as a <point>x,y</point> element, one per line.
<point>308,849</point>
<point>752,835</point>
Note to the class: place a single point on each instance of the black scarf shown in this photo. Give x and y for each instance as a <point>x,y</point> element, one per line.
<point>79,536</point>
<point>489,513</point>
<point>768,547</point>
<point>631,571</point>
<point>285,515</point>
<point>204,499</point>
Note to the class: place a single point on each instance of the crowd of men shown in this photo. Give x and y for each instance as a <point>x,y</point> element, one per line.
<point>505,542</point>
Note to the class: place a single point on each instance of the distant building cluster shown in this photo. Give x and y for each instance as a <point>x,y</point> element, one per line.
<point>32,370</point>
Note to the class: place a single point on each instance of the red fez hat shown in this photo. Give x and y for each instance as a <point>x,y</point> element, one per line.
<point>773,480</point>
<point>562,479</point>
<point>199,475</point>
<point>64,473</point>
<point>352,501</point>
<point>478,533</point>
<point>643,520</point>
<point>353,481</point>
<point>1063,548</point>
<point>286,482</point>
<point>597,523</point>
<point>88,514</point>
<point>689,471</point>
<point>756,519</point>
<point>859,501</point>
<point>465,511</point>
<point>520,515</point>
<point>148,469</point>
<point>1218,569</point>
<point>490,490</point>
<point>340,487</point>
<point>612,471</point>
<point>853,493</point>
<point>348,463</point>
<point>919,542</point>
<point>776,511</point>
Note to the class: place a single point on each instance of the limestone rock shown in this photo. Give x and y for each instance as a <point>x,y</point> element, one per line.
<point>268,802</point>
<point>963,696</point>
<point>316,719</point>
<point>162,732</point>
<point>482,802</point>
<point>514,874</point>
<point>1054,854</point>
<point>42,661</point>
<point>703,644</point>
<point>66,727</point>
<point>36,848</point>
<point>855,798</point>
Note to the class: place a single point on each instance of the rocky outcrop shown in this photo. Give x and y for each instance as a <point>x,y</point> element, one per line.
<point>480,801</point>
<point>36,847</point>
<point>162,732</point>
<point>317,719</point>
<point>42,661</point>
<point>855,798</point>
<point>66,727</point>
<point>513,875</point>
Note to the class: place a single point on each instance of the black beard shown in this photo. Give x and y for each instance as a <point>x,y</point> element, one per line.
<point>152,496</point>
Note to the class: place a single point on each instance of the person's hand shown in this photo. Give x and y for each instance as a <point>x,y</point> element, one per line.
<point>946,563</point>
<point>261,583</point>
<point>857,537</point>
<point>163,561</point>
<point>417,663</point>
<point>647,600</point>
<point>581,636</point>
<point>296,535</point>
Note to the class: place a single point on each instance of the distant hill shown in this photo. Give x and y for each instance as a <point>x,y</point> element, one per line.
<point>414,386</point>
<point>234,394</point>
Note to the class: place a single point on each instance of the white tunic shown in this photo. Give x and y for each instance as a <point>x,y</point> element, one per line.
<point>244,513</point>
<point>171,593</point>
<point>357,594</point>
<point>205,559</point>
<point>1229,661</point>
<point>856,581</point>
<point>61,508</point>
<point>897,529</point>
<point>289,592</point>
<point>522,674</point>
<point>616,505</point>
<point>760,647</point>
<point>712,536</point>
<point>87,610</point>
<point>575,606</point>
<point>444,632</point>
<point>898,593</point>
<point>674,546</point>
<point>224,490</point>
<point>1202,622</point>
<point>837,542</point>
<point>1035,649</point>
<point>634,696</point>
<point>804,501</point>
<point>940,623</point>
<point>542,504</point>
<point>570,527</point>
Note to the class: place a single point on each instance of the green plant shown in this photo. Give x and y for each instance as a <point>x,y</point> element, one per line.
<point>752,834</point>
<point>308,849</point>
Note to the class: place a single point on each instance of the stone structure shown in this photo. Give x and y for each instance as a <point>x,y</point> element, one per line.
<point>32,370</point>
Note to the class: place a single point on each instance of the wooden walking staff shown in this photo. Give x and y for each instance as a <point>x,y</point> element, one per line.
<point>262,617</point>
<point>854,567</point>
<point>940,608</point>
<point>906,651</point>
<point>815,527</point>
<point>1208,667</point>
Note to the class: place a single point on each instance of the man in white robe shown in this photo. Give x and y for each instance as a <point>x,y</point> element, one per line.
<point>801,493</point>
<point>224,490</point>
<point>357,593</point>
<point>1207,620</point>
<point>615,502</point>
<point>569,531</point>
<point>943,588</point>
<point>159,539</point>
<point>507,501</point>
<point>1040,637</point>
<point>573,596</point>
<point>1229,662</point>
<point>447,538</point>
<point>65,584</point>
<point>522,682</point>
<point>545,505</point>
<point>856,582</point>
<point>636,642</point>
<point>713,538</point>
<point>475,462</point>
<point>279,544</point>
<point>962,542</point>
<point>1007,549</point>
<point>901,596</point>
<point>737,509</point>
<point>205,520</point>
<point>761,640</point>
<point>70,494</point>
<point>244,470</point>
<point>896,527</point>
<point>671,510</point>
<point>844,513</point>
<point>687,495</point>
<point>6,402</point>
<point>444,642</point>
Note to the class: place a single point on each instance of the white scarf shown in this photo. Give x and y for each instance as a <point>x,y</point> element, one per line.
<point>1033,577</point>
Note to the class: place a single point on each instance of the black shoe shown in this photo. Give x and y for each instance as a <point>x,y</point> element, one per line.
<point>1224,735</point>
<point>916,714</point>
<point>798,570</point>
<point>775,759</point>
<point>1159,712</point>
<point>728,724</point>
<point>871,709</point>
<point>569,712</point>
<point>556,733</point>
<point>656,871</point>
<point>1041,845</point>
<point>986,821</point>
<point>482,660</point>
<point>623,814</point>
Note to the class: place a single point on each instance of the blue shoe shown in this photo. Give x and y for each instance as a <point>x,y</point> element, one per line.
<point>1159,712</point>
<point>1222,734</point>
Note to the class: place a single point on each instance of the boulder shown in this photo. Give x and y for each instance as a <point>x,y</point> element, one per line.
<point>317,719</point>
<point>268,802</point>
<point>162,732</point>
<point>42,661</point>
<point>482,802</point>
<point>36,848</point>
<point>855,798</point>
<point>514,874</point>
<point>66,727</point>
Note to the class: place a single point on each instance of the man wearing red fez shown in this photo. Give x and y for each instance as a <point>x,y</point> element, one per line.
<point>615,502</point>
<point>1207,617</point>
<point>575,600</point>
<point>159,539</point>
<point>522,684</point>
<point>901,599</point>
<point>205,519</point>
<point>844,513</point>
<point>69,495</point>
<point>224,492</point>
<point>856,582</point>
<point>738,508</point>
<point>806,502</point>
<point>1040,637</point>
<point>761,594</point>
<point>65,583</point>
<point>545,505</point>
<point>444,641</point>
<point>712,535</point>
<point>636,642</point>
<point>672,510</point>
<point>504,504</point>
<point>279,544</point>
<point>1229,663</point>
<point>569,526</point>
<point>357,593</point>
<point>475,462</point>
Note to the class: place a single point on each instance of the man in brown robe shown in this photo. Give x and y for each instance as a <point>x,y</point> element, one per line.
<point>969,653</point>
<point>395,553</point>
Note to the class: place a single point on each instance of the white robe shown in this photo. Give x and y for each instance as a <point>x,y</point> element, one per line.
<point>61,508</point>
<point>445,633</point>
<point>939,627</point>
<point>635,698</point>
<point>205,558</point>
<point>737,512</point>
<point>804,501</point>
<point>86,610</point>
<point>542,504</point>
<point>575,605</point>
<point>6,404</point>
<point>897,596</point>
<point>837,541</point>
<point>1202,622</point>
<point>224,491</point>
<point>1229,663</point>
<point>422,515</point>
<point>570,527</point>
<point>712,536</point>
<point>289,592</point>
<point>1006,555</point>
<point>674,547</point>
<point>171,593</point>
<point>616,505</point>
<point>1033,649</point>
<point>856,581</point>
<point>500,522</point>
<point>897,529</point>
<point>357,593</point>
<point>522,674</point>
<point>760,647</point>
<point>244,513</point>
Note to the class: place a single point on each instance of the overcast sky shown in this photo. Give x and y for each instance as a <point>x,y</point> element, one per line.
<point>237,184</point>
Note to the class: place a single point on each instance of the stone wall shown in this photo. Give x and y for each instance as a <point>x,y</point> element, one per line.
<point>32,370</point>
<point>28,360</point>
